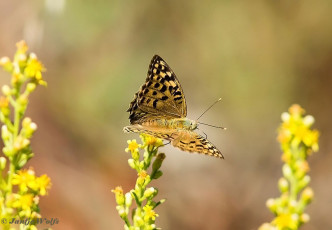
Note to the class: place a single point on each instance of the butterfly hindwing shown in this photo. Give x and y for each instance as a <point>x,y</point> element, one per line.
<point>185,140</point>
<point>159,133</point>
<point>161,95</point>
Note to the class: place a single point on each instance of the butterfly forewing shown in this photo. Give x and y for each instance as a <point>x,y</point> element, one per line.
<point>161,95</point>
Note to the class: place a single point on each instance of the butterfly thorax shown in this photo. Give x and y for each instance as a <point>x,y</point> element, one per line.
<point>175,123</point>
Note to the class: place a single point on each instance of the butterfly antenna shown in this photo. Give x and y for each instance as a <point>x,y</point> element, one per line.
<point>218,127</point>
<point>208,108</point>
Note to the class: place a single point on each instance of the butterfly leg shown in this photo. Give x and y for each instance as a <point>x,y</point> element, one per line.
<point>168,143</point>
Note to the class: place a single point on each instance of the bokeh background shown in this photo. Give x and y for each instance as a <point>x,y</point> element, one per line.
<point>259,56</point>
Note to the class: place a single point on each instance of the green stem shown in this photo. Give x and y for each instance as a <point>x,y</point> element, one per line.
<point>16,125</point>
<point>126,221</point>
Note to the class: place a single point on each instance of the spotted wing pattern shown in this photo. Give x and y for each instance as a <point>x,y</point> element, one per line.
<point>160,96</point>
<point>192,142</point>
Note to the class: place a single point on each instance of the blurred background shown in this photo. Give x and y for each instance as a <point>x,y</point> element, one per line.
<point>259,56</point>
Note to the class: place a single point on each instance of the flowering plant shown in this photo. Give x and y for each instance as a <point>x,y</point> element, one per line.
<point>20,188</point>
<point>298,141</point>
<point>143,216</point>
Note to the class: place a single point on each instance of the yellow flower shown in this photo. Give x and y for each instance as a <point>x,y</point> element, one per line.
<point>25,201</point>
<point>118,190</point>
<point>143,174</point>
<point>286,221</point>
<point>152,141</point>
<point>311,140</point>
<point>43,184</point>
<point>132,146</point>
<point>143,177</point>
<point>24,179</point>
<point>295,129</point>
<point>150,214</point>
<point>34,68</point>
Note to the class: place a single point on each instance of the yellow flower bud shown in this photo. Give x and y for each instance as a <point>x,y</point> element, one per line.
<point>6,90</point>
<point>307,195</point>
<point>283,185</point>
<point>31,87</point>
<point>3,162</point>
<point>6,64</point>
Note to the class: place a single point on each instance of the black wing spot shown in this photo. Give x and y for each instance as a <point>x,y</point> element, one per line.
<point>142,100</point>
<point>155,103</point>
<point>154,93</point>
<point>167,78</point>
<point>170,88</point>
<point>148,100</point>
<point>164,98</point>
<point>149,84</point>
<point>156,85</point>
<point>146,91</point>
<point>162,81</point>
<point>177,98</point>
<point>177,93</point>
<point>163,89</point>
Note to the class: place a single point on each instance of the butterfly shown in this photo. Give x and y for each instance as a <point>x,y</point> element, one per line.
<point>159,109</point>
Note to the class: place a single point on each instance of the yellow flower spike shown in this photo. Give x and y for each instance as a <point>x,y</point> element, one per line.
<point>297,141</point>
<point>150,214</point>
